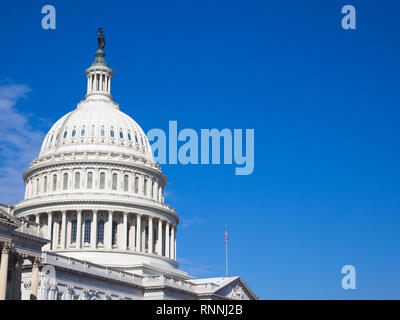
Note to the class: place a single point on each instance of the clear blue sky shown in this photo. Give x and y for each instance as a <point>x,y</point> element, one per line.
<point>324,104</point>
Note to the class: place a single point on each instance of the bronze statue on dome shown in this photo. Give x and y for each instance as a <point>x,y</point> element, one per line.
<point>100,39</point>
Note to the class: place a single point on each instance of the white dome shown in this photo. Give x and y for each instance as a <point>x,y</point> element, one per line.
<point>97,125</point>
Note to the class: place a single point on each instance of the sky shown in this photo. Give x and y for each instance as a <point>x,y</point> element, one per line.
<point>323,101</point>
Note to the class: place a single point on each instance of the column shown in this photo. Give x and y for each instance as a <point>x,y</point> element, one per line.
<point>93,240</point>
<point>49,229</point>
<point>79,229</point>
<point>125,231</point>
<point>34,282</point>
<point>37,218</point>
<point>109,231</point>
<point>167,239</point>
<point>141,185</point>
<point>133,233</point>
<point>63,228</point>
<point>138,233</point>
<point>150,235</point>
<point>172,255</point>
<point>18,274</point>
<point>159,237</point>
<point>5,252</point>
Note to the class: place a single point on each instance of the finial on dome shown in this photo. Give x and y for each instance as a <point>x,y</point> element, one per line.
<point>99,74</point>
<point>101,41</point>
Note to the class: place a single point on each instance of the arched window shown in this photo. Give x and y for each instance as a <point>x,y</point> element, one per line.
<point>77,180</point>
<point>54,182</point>
<point>102,180</point>
<point>73,133</point>
<point>126,181</point>
<point>65,134</point>
<point>102,132</point>
<point>136,139</point>
<point>114,181</point>
<point>145,187</point>
<point>89,180</point>
<point>112,133</point>
<point>83,132</point>
<point>87,231</point>
<point>100,232</point>
<point>136,184</point>
<point>45,185</point>
<point>129,137</point>
<point>65,181</point>
<point>121,134</point>
<point>73,231</point>
<point>114,233</point>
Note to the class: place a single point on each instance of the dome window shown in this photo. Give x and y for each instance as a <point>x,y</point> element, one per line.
<point>83,132</point>
<point>129,137</point>
<point>65,134</point>
<point>112,133</point>
<point>102,133</point>
<point>73,133</point>
<point>51,139</point>
<point>136,139</point>
<point>121,134</point>
<point>58,136</point>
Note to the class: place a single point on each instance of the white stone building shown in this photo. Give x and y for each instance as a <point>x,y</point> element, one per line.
<point>97,194</point>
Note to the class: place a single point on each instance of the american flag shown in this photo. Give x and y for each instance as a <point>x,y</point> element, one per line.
<point>226,235</point>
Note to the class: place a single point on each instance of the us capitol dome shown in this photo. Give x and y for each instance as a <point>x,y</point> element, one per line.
<point>95,188</point>
<point>94,220</point>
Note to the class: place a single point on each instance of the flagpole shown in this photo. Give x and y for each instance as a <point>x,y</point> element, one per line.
<point>226,250</point>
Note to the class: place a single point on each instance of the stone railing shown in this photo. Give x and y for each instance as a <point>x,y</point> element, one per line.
<point>116,274</point>
<point>95,269</point>
<point>30,228</point>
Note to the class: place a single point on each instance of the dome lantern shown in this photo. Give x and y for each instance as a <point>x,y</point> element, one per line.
<point>99,75</point>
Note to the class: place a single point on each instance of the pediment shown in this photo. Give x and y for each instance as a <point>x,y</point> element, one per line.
<point>236,290</point>
<point>8,219</point>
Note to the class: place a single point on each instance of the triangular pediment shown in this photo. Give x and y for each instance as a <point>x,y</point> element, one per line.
<point>8,219</point>
<point>236,289</point>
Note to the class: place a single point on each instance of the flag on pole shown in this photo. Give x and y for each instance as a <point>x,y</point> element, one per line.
<point>226,250</point>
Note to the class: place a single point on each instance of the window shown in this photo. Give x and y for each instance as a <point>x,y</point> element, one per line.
<point>54,182</point>
<point>45,185</point>
<point>126,180</point>
<point>136,139</point>
<point>37,186</point>
<point>59,235</point>
<point>128,240</point>
<point>87,231</point>
<point>77,180</point>
<point>136,184</point>
<point>58,136</point>
<point>114,233</point>
<point>89,180</point>
<point>102,133</point>
<point>114,181</point>
<point>65,134</point>
<point>65,181</point>
<point>145,187</point>
<point>129,137</point>
<point>102,180</point>
<point>121,134</point>
<point>73,231</point>
<point>52,137</point>
<point>83,132</point>
<point>112,133</point>
<point>100,232</point>
<point>73,133</point>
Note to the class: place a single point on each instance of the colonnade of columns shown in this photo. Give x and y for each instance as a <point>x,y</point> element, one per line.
<point>99,82</point>
<point>11,273</point>
<point>101,229</point>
